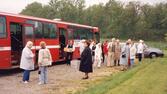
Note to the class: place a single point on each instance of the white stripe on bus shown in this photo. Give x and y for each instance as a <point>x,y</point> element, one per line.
<point>34,47</point>
<point>5,48</point>
<point>48,46</point>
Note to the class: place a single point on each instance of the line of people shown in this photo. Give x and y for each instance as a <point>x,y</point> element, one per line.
<point>110,53</point>
<point>92,55</point>
<point>115,53</point>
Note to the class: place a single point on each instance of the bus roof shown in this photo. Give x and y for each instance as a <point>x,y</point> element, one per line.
<point>46,20</point>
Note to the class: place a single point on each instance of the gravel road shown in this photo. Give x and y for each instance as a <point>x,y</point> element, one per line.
<point>62,79</point>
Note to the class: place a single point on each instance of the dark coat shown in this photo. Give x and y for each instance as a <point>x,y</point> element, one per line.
<point>86,61</point>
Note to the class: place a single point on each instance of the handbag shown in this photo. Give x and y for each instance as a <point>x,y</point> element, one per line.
<point>124,56</point>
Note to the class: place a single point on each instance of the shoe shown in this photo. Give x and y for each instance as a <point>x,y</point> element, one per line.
<point>85,78</point>
<point>40,83</point>
<point>25,82</point>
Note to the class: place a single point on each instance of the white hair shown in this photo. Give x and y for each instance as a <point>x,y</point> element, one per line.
<point>113,39</point>
<point>141,41</point>
<point>29,44</point>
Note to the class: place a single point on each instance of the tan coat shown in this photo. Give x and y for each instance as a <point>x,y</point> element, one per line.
<point>110,57</point>
<point>117,52</point>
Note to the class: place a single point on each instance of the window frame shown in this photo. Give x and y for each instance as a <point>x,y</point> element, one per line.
<point>33,22</point>
<point>5,33</point>
<point>83,33</point>
<point>27,32</point>
<point>50,32</point>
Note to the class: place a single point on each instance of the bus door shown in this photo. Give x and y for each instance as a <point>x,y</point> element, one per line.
<point>16,42</point>
<point>63,40</point>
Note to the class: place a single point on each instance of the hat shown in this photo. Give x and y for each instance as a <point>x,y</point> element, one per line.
<point>83,40</point>
<point>113,39</point>
<point>141,41</point>
<point>129,41</point>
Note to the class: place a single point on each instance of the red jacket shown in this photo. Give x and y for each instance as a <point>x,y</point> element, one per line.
<point>105,50</point>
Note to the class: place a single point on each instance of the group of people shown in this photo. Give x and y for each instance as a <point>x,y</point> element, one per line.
<point>92,55</point>
<point>112,53</point>
<point>27,62</point>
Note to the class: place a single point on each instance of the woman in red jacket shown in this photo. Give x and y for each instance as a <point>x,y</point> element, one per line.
<point>105,51</point>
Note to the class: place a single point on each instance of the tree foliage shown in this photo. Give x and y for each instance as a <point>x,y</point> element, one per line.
<point>115,19</point>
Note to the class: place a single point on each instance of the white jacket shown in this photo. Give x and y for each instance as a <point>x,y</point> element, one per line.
<point>82,47</point>
<point>140,48</point>
<point>98,52</point>
<point>44,57</point>
<point>27,62</point>
<point>132,52</point>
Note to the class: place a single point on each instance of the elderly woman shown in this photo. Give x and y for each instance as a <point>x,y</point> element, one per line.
<point>27,62</point>
<point>132,54</point>
<point>86,61</point>
<point>125,55</point>
<point>44,60</point>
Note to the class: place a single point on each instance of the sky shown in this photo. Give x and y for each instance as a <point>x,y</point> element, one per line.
<point>15,6</point>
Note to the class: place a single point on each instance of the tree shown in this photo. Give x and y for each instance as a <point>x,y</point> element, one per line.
<point>33,9</point>
<point>115,19</point>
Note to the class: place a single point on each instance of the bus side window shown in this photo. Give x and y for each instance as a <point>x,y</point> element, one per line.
<point>38,30</point>
<point>2,27</point>
<point>29,32</point>
<point>49,31</point>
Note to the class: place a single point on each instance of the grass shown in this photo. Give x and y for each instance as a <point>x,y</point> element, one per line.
<point>150,77</point>
<point>147,78</point>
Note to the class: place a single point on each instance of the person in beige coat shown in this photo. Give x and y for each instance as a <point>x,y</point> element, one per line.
<point>117,53</point>
<point>44,60</point>
<point>111,49</point>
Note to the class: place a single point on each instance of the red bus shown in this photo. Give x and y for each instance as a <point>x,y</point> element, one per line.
<point>16,30</point>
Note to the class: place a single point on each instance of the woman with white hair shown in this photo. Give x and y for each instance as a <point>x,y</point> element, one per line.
<point>27,62</point>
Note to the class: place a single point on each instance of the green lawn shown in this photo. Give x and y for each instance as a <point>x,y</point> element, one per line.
<point>150,77</point>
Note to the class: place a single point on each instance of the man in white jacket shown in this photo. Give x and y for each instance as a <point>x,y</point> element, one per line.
<point>98,55</point>
<point>81,44</point>
<point>140,50</point>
